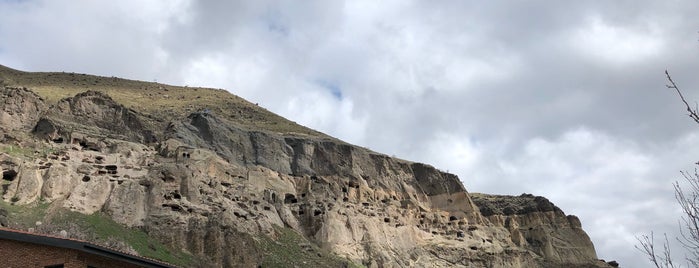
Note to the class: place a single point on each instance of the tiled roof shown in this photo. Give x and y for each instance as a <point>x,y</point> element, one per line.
<point>80,245</point>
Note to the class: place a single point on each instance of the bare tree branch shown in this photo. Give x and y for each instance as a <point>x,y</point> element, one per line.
<point>692,112</point>
<point>689,202</point>
<point>659,259</point>
<point>688,199</point>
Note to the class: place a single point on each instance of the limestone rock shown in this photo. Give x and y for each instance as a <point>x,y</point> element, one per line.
<point>127,203</point>
<point>20,108</point>
<point>89,196</point>
<point>540,226</point>
<point>59,181</point>
<point>217,188</point>
<point>23,184</point>
<point>96,113</point>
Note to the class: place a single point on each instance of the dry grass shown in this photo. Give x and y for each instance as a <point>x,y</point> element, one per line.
<point>157,101</point>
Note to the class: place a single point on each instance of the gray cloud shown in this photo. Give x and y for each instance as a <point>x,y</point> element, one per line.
<point>565,100</point>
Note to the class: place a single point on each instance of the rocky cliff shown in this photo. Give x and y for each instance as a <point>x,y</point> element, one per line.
<point>205,175</point>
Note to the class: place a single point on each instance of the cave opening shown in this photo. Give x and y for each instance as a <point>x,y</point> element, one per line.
<point>9,175</point>
<point>290,199</point>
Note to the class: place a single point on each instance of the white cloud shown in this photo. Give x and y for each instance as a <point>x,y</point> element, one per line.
<point>618,44</point>
<point>618,188</point>
<point>320,108</point>
<point>450,152</point>
<point>561,99</point>
<point>241,77</point>
<point>87,36</point>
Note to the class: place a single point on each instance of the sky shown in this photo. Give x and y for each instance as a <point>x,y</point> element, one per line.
<point>563,99</point>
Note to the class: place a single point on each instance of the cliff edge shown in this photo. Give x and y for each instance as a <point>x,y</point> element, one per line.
<point>202,178</point>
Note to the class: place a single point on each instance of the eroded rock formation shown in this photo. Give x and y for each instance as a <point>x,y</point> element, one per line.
<point>207,185</point>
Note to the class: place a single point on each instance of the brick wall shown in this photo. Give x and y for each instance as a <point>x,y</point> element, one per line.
<point>15,254</point>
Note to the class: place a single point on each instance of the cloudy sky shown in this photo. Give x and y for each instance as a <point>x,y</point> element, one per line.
<point>564,99</point>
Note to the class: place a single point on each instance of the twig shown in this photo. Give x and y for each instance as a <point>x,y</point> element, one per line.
<point>692,112</point>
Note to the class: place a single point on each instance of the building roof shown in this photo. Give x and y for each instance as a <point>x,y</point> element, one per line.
<point>79,245</point>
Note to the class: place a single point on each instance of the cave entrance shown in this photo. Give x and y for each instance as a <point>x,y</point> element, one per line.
<point>9,175</point>
<point>290,199</point>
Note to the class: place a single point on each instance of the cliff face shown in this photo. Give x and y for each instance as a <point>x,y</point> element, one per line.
<point>538,225</point>
<point>218,189</point>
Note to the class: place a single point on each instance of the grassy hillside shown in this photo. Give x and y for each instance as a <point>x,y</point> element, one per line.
<point>159,102</point>
<point>97,228</point>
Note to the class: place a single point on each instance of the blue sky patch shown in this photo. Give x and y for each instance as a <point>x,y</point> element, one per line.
<point>332,87</point>
<point>275,23</point>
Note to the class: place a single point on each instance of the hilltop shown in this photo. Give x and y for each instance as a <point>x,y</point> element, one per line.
<point>160,102</point>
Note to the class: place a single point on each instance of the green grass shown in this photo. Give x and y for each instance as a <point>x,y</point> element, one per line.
<point>98,228</point>
<point>286,251</point>
<point>105,229</point>
<point>24,216</point>
<point>16,151</point>
<point>31,150</point>
<point>160,101</point>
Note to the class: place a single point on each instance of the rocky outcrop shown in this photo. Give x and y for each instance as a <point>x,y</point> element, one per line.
<point>538,225</point>
<point>96,114</point>
<point>20,109</point>
<point>213,188</point>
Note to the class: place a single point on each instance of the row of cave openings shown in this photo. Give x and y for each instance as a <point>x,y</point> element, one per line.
<point>106,169</point>
<point>290,199</point>
<point>81,142</point>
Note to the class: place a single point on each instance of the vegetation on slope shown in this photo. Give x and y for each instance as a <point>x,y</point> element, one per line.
<point>96,228</point>
<point>290,249</point>
<point>159,102</point>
